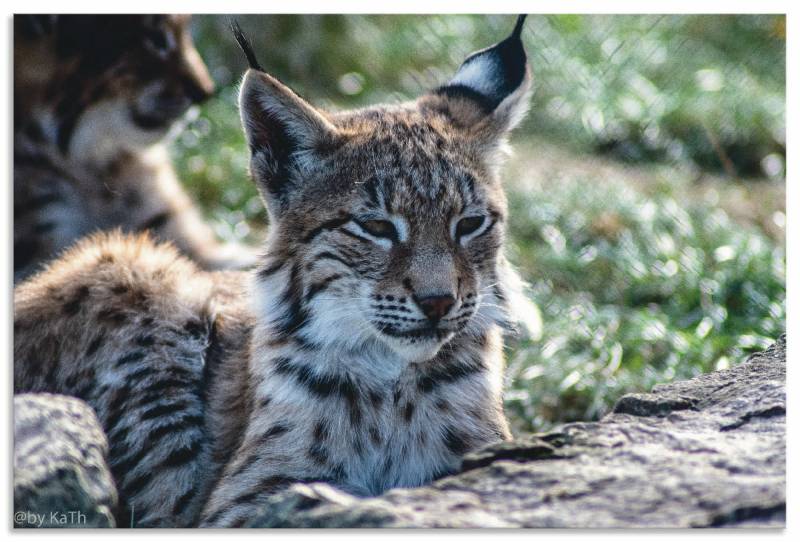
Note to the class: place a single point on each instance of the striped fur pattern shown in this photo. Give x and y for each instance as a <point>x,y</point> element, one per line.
<point>371,354</point>
<point>94,97</point>
<point>136,331</point>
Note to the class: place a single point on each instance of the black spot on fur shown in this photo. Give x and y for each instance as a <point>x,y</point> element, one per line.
<point>182,455</point>
<point>174,428</point>
<point>376,398</point>
<point>112,317</point>
<point>320,431</point>
<point>375,435</point>
<point>106,257</point>
<point>195,328</point>
<point>351,395</point>
<point>145,340</point>
<point>265,272</point>
<point>323,385</point>
<point>408,411</point>
<point>212,355</point>
<point>318,453</point>
<point>499,293</point>
<point>139,374</point>
<point>455,441</point>
<point>246,464</point>
<point>132,486</point>
<point>157,411</point>
<point>264,487</point>
<point>183,500</point>
<point>119,289</point>
<point>388,463</point>
<point>295,314</point>
<point>157,389</point>
<point>210,520</point>
<point>320,286</point>
<point>131,357</point>
<point>274,431</point>
<point>440,374</point>
<point>96,343</point>
<point>74,304</point>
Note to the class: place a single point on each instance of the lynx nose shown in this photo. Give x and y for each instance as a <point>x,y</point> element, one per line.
<point>436,306</point>
<point>198,90</point>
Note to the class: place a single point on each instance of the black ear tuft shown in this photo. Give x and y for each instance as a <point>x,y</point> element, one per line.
<point>246,46</point>
<point>490,75</point>
<point>517,33</point>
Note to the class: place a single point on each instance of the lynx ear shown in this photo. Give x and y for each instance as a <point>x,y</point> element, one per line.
<point>491,86</point>
<point>282,130</point>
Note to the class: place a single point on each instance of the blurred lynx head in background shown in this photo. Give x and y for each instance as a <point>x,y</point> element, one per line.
<point>92,84</point>
<point>94,97</point>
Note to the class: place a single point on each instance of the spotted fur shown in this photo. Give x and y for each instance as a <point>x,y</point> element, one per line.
<point>94,97</point>
<point>371,355</point>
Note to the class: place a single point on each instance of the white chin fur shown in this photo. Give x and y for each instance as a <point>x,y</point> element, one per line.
<point>417,352</point>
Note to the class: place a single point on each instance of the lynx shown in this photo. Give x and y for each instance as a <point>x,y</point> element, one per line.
<point>94,98</point>
<point>370,356</point>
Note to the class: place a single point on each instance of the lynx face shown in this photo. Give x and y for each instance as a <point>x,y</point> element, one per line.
<point>387,222</point>
<point>409,242</point>
<point>111,80</point>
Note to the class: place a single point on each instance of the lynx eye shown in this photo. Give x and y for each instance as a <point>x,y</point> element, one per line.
<point>469,225</point>
<point>379,228</point>
<point>158,41</point>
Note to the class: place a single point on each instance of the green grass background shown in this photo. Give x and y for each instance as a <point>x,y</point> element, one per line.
<point>646,190</point>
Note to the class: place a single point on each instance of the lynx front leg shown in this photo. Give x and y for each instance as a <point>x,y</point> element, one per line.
<point>272,457</point>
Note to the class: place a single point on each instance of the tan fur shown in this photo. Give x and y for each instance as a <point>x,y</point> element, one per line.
<point>364,351</point>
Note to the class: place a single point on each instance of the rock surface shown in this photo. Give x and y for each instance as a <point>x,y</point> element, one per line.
<point>61,478</point>
<point>706,452</point>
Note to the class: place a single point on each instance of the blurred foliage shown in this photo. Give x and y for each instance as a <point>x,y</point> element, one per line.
<point>633,291</point>
<point>708,89</point>
<point>635,287</point>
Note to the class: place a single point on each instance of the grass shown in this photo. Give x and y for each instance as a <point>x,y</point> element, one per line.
<point>642,273</point>
<point>634,290</point>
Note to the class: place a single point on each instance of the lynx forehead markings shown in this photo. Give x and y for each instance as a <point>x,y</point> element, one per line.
<point>365,350</point>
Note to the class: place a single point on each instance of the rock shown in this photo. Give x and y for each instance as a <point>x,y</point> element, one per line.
<point>61,478</point>
<point>708,452</point>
